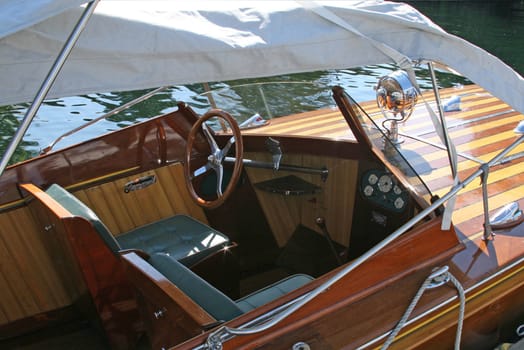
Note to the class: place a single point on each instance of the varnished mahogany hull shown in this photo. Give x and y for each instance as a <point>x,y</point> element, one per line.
<point>363,305</point>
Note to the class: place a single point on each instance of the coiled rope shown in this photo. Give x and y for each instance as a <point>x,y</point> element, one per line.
<point>437,278</point>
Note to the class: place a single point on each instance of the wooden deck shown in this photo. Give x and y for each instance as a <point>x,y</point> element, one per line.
<point>480,130</point>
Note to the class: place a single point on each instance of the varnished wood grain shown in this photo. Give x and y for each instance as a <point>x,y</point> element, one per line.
<point>33,272</point>
<point>181,318</point>
<point>90,263</point>
<point>122,212</point>
<point>503,293</point>
<point>38,274</point>
<point>471,131</point>
<point>334,202</point>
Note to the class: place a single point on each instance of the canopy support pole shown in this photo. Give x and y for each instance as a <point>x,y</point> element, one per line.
<point>452,163</point>
<point>48,82</point>
<point>452,152</point>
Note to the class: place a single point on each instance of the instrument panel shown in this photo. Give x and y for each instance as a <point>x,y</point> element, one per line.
<point>382,189</point>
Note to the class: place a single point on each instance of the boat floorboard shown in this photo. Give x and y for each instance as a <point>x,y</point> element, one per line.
<point>80,336</point>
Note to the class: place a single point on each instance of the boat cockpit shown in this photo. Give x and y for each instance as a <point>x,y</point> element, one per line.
<point>346,225</point>
<point>191,227</point>
<point>209,225</point>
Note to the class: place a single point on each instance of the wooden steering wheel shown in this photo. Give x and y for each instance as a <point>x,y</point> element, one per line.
<point>215,159</point>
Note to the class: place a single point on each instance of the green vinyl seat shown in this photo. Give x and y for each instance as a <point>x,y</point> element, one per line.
<point>213,301</point>
<point>179,236</point>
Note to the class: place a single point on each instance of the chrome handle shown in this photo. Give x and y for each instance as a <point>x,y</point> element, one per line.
<point>160,313</point>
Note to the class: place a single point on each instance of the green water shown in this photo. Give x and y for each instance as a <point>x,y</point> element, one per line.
<point>496,26</point>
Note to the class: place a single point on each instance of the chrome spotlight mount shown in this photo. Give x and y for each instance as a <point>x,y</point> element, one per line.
<point>396,98</point>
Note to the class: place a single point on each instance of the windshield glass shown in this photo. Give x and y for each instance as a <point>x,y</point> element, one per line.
<point>255,104</point>
<point>394,155</point>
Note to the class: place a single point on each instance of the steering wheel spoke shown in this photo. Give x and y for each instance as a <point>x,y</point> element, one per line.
<point>210,139</point>
<point>215,160</point>
<point>219,170</point>
<point>201,171</point>
<point>226,148</point>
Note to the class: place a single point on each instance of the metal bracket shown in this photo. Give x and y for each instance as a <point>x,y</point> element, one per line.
<point>508,216</point>
<point>488,232</point>
<point>214,340</point>
<point>438,277</point>
<point>273,147</point>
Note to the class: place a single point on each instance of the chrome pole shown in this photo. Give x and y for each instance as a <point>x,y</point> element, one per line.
<point>46,85</point>
<point>104,116</point>
<point>447,141</point>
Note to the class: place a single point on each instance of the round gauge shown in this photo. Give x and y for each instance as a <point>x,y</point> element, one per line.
<point>385,183</point>
<point>372,179</point>
<point>399,203</point>
<point>397,190</point>
<point>368,190</point>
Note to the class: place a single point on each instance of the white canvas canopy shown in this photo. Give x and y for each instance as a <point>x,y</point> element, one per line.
<point>143,44</point>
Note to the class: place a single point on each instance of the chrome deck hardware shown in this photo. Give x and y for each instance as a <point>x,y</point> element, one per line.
<point>508,216</point>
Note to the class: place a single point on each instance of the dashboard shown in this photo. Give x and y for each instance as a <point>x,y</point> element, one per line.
<point>382,189</point>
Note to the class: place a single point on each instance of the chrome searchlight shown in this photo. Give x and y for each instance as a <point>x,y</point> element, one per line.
<point>396,97</point>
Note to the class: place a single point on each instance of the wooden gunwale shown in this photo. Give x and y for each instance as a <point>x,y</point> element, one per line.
<point>436,312</point>
<point>444,316</point>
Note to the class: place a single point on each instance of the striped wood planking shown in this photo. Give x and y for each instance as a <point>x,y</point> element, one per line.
<point>480,130</point>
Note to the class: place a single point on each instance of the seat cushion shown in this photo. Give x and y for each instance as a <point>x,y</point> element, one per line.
<point>272,292</point>
<point>213,301</point>
<point>179,236</point>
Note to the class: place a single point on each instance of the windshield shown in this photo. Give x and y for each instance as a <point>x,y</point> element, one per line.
<point>395,154</point>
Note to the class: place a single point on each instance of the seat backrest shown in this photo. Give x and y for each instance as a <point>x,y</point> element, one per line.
<point>213,301</point>
<point>98,266</point>
<point>78,208</point>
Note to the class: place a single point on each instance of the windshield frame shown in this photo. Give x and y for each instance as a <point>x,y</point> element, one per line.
<point>374,138</point>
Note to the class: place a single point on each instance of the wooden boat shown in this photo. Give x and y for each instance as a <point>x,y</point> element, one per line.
<point>365,225</point>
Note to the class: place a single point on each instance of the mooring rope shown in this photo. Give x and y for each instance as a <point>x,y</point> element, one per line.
<point>437,278</point>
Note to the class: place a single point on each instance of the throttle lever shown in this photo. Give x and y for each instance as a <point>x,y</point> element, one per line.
<point>321,223</point>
